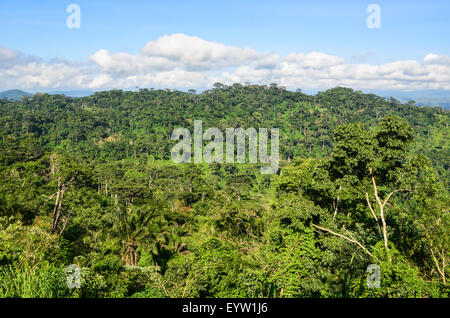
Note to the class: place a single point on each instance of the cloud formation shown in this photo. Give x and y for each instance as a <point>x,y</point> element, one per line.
<point>182,61</point>
<point>197,54</point>
<point>7,54</point>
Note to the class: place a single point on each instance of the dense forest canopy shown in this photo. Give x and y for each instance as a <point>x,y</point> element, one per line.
<point>89,181</point>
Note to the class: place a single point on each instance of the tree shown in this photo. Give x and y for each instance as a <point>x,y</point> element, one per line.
<point>377,163</point>
<point>239,184</point>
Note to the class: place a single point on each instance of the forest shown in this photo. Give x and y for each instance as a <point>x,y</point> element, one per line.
<point>89,181</point>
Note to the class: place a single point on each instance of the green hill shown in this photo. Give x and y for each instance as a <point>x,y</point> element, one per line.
<point>14,94</point>
<point>90,181</point>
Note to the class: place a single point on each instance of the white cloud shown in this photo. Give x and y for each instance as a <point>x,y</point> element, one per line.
<point>248,74</point>
<point>315,60</point>
<point>100,81</point>
<point>7,54</point>
<point>124,63</point>
<point>182,61</point>
<point>269,61</point>
<point>437,59</point>
<point>196,53</point>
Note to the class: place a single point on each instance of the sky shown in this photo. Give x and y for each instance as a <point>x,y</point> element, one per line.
<point>192,44</point>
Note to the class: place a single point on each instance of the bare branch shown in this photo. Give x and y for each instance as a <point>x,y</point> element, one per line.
<point>370,206</point>
<point>352,240</point>
<point>383,221</point>
<point>438,267</point>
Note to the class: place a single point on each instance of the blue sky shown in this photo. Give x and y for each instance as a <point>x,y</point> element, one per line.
<point>409,29</point>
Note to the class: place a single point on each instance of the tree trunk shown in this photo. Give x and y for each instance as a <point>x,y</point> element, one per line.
<point>381,206</point>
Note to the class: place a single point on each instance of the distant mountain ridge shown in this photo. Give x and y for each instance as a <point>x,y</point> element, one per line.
<point>14,94</point>
<point>429,101</point>
<point>421,98</point>
<point>77,93</point>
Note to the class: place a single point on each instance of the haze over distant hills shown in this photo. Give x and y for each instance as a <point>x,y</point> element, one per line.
<point>14,94</point>
<point>76,93</point>
<point>421,98</point>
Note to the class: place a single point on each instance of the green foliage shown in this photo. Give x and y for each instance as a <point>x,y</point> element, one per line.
<point>89,181</point>
<point>44,282</point>
<point>399,278</point>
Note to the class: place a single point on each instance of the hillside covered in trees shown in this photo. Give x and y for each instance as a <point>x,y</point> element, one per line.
<point>90,181</point>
